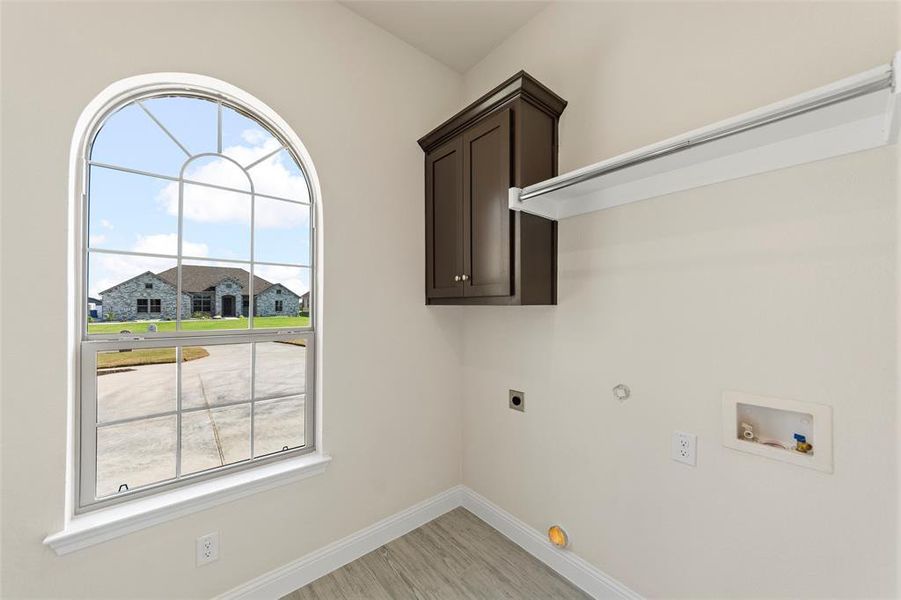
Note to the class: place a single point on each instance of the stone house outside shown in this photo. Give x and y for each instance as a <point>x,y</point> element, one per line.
<point>305,304</point>
<point>206,292</point>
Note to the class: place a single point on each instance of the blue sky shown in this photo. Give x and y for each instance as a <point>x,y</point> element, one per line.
<point>138,213</point>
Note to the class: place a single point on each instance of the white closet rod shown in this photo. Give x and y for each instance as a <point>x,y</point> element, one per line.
<point>873,81</point>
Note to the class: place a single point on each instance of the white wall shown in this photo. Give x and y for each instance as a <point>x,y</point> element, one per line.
<point>359,99</point>
<point>782,284</point>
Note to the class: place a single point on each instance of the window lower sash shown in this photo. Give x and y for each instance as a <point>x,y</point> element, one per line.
<point>273,403</point>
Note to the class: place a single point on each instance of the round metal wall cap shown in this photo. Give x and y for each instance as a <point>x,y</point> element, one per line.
<point>622,392</point>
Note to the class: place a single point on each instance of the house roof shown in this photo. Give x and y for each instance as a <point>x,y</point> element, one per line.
<point>198,278</point>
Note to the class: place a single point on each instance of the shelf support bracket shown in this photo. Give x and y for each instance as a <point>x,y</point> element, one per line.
<point>896,72</point>
<point>892,121</point>
<point>534,206</point>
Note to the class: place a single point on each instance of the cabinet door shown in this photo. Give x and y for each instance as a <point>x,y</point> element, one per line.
<point>444,221</point>
<point>487,224</point>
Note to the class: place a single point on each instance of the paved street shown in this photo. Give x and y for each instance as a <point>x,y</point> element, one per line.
<point>144,451</point>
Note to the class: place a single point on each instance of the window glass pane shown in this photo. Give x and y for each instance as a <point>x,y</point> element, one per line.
<point>217,171</point>
<point>244,139</point>
<point>134,383</point>
<point>280,176</point>
<point>217,222</point>
<point>136,453</point>
<point>193,121</point>
<point>116,282</point>
<point>281,231</point>
<point>214,438</point>
<point>280,368</point>
<point>294,285</point>
<point>219,375</point>
<point>222,286</point>
<point>278,425</point>
<point>130,138</point>
<point>132,212</point>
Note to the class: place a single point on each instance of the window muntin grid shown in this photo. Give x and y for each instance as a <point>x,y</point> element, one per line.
<point>288,205</point>
<point>182,337</point>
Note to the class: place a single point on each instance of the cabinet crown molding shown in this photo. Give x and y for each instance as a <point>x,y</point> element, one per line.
<point>520,85</point>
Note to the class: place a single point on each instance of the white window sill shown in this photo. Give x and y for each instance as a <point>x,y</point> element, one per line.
<point>105,524</point>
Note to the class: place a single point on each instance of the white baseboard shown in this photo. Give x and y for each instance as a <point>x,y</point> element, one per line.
<point>579,572</point>
<point>307,569</point>
<point>311,567</point>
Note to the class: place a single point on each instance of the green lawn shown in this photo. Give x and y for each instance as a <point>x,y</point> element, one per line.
<point>147,356</point>
<point>200,324</point>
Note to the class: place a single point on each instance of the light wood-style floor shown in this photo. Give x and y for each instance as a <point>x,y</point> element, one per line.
<point>456,556</point>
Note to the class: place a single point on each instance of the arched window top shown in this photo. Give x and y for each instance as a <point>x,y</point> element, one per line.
<point>199,138</point>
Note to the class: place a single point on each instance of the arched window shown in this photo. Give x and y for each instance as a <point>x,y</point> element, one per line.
<point>197,275</point>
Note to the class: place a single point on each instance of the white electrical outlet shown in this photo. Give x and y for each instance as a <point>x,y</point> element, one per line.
<point>685,448</point>
<point>207,547</point>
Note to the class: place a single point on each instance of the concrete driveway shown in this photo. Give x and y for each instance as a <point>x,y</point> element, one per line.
<point>144,451</point>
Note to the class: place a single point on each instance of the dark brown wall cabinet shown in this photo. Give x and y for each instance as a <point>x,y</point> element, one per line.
<point>477,250</point>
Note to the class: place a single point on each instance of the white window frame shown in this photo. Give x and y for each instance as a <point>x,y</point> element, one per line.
<point>194,493</point>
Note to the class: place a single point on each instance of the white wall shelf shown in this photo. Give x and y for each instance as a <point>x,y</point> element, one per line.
<point>850,115</point>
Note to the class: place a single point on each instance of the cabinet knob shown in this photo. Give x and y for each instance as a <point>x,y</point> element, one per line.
<point>457,278</point>
<point>465,277</point>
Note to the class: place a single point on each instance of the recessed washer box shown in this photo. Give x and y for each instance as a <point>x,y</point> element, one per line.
<point>766,426</point>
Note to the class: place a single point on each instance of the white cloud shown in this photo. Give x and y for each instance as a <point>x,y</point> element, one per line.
<point>97,239</point>
<point>167,243</point>
<point>257,137</point>
<point>106,224</point>
<point>107,270</point>
<point>272,177</point>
